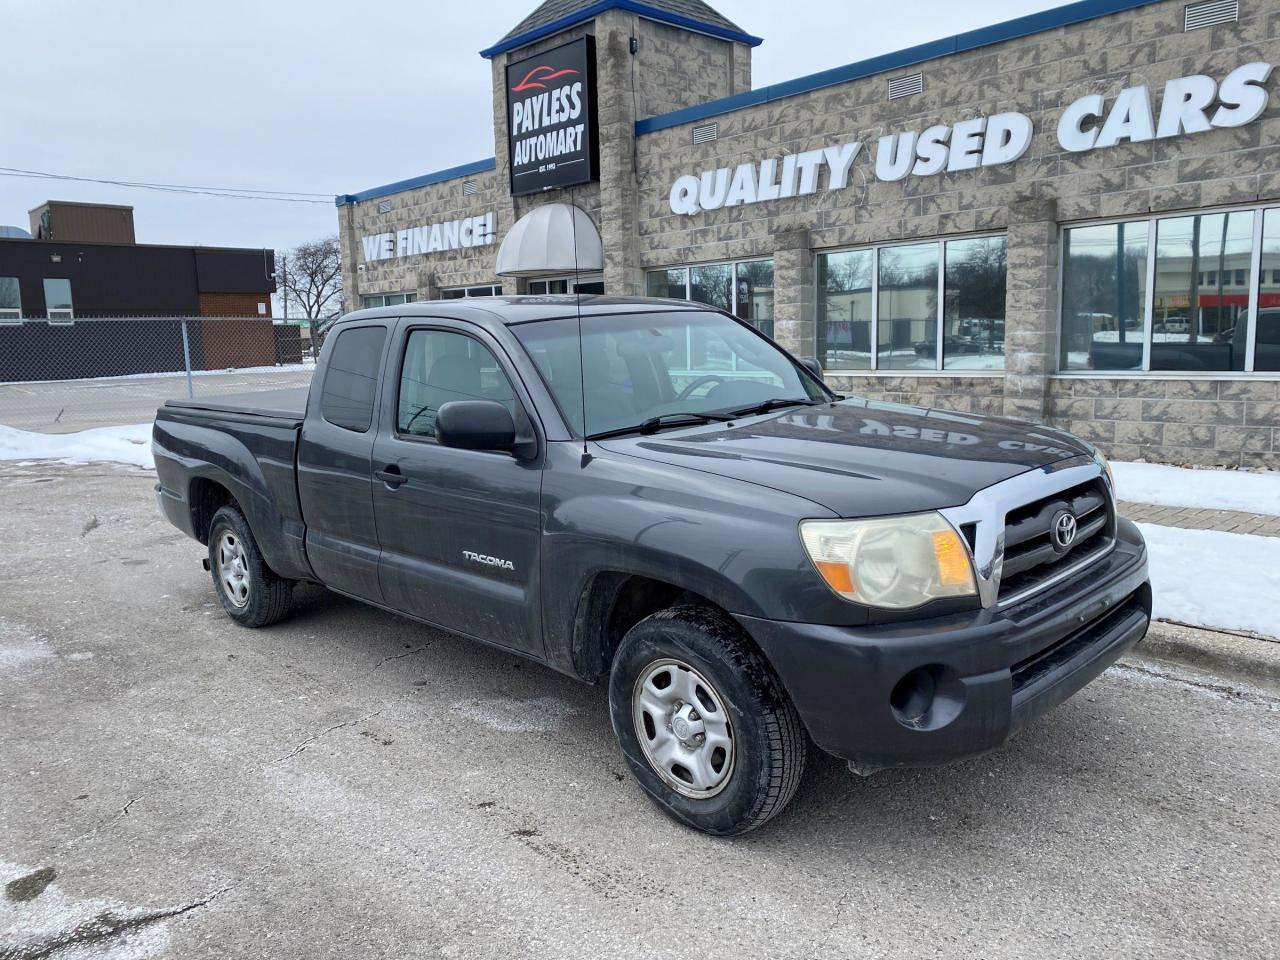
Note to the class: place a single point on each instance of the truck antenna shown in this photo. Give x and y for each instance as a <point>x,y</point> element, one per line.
<point>577,300</point>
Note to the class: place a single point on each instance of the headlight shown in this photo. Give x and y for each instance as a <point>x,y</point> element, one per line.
<point>894,562</point>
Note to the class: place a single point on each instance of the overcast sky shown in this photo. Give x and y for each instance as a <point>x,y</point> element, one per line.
<point>321,96</point>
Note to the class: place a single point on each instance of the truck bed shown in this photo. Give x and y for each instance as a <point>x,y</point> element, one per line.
<point>289,404</point>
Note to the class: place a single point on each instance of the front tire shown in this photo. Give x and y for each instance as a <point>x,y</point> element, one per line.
<point>250,592</point>
<point>704,723</point>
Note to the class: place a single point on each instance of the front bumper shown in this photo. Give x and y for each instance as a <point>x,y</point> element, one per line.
<point>932,691</point>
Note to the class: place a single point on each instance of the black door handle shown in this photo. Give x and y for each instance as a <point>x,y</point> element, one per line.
<point>391,476</point>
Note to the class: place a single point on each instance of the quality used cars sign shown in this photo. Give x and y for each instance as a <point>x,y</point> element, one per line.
<point>552,134</point>
<point>1187,105</point>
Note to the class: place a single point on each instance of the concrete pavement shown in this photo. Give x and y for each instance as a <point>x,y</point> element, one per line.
<point>348,784</point>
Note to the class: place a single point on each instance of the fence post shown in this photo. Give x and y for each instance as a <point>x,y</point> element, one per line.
<point>186,359</point>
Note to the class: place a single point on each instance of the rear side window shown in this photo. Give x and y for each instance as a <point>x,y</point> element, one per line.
<point>351,380</point>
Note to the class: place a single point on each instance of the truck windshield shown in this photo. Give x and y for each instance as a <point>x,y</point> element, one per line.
<point>643,371</point>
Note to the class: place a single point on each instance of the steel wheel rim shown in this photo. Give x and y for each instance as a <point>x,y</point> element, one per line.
<point>233,569</point>
<point>682,723</point>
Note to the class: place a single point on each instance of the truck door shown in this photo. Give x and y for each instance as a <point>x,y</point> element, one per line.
<point>460,529</point>
<point>335,469</point>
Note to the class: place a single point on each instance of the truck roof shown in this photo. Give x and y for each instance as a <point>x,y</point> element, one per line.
<point>511,310</point>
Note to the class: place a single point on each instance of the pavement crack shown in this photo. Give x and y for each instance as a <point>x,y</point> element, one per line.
<point>401,656</point>
<point>108,925</point>
<point>92,525</point>
<point>1219,689</point>
<point>124,811</point>
<point>837,915</point>
<point>327,730</point>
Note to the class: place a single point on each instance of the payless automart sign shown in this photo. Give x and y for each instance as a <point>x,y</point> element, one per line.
<point>1189,105</point>
<point>552,134</point>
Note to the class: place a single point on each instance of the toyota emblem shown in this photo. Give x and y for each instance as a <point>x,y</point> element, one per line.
<point>1064,530</point>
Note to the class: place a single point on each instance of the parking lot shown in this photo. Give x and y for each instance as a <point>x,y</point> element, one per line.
<point>349,784</point>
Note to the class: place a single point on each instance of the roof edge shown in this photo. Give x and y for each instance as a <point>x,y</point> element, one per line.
<point>1034,23</point>
<point>631,6</point>
<point>426,180</point>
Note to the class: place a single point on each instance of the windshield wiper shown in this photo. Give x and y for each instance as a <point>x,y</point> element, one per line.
<point>777,403</point>
<point>654,424</point>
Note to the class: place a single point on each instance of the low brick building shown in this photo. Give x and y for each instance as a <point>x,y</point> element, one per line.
<point>1072,217</point>
<point>83,264</point>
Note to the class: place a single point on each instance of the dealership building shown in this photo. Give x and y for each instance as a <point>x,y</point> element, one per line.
<point>1071,217</point>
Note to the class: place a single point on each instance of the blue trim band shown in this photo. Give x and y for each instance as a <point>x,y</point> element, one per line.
<point>631,6</point>
<point>972,40</point>
<point>426,180</point>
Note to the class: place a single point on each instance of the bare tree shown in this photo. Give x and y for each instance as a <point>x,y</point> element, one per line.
<point>310,279</point>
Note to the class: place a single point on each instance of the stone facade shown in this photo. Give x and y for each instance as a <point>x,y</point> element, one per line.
<point>1220,419</point>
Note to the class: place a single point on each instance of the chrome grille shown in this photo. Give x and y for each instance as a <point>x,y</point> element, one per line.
<point>1031,553</point>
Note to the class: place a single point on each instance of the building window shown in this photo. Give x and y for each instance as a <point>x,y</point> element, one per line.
<point>1173,294</point>
<point>57,300</point>
<point>1104,292</point>
<point>589,284</point>
<point>458,293</point>
<point>387,299</point>
<point>908,299</point>
<point>10,299</point>
<point>1266,347</point>
<point>744,289</point>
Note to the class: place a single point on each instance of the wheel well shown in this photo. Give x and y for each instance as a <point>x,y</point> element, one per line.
<point>612,604</point>
<point>206,498</point>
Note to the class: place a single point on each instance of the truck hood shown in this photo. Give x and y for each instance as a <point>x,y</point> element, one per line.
<point>862,458</point>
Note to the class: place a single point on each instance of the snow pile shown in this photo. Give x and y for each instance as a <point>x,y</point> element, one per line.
<point>131,445</point>
<point>1214,579</point>
<point>1216,489</point>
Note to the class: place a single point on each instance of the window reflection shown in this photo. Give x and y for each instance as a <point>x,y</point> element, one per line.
<point>1104,296</point>
<point>1199,312</point>
<point>973,304</point>
<point>908,308</point>
<point>844,309</point>
<point>1267,347</point>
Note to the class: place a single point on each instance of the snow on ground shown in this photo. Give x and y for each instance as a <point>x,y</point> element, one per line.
<point>1180,487</point>
<point>1214,579</point>
<point>306,366</point>
<point>131,445</point>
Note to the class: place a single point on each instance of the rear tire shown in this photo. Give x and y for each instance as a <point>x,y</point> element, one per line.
<point>687,683</point>
<point>250,592</point>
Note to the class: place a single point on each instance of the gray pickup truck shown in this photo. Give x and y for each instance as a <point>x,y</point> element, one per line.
<point>654,495</point>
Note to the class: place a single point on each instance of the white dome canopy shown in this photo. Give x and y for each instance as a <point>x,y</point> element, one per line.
<point>541,243</point>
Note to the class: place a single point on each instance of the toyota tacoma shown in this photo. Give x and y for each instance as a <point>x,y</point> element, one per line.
<point>655,496</point>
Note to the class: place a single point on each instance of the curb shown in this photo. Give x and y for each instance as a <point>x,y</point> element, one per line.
<point>1252,660</point>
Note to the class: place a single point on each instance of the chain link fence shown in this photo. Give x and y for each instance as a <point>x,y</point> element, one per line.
<point>60,375</point>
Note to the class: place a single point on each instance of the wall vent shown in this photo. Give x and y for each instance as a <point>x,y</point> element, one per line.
<point>905,86</point>
<point>384,206</point>
<point>1199,15</point>
<point>706,132</point>
<point>470,188</point>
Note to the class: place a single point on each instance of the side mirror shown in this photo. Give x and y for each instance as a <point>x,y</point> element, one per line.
<point>813,366</point>
<point>475,425</point>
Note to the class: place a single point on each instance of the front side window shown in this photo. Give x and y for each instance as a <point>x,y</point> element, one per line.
<point>57,299</point>
<point>1104,295</point>
<point>440,366</point>
<point>641,366</point>
<point>10,299</point>
<point>351,378</point>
